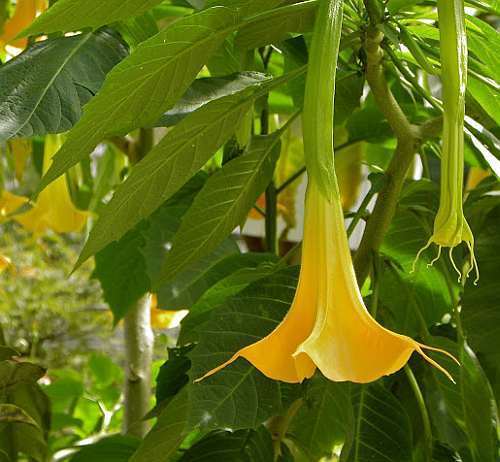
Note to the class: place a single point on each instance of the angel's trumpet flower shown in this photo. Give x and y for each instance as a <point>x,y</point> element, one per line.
<point>53,208</point>
<point>23,16</point>
<point>450,226</point>
<point>328,325</point>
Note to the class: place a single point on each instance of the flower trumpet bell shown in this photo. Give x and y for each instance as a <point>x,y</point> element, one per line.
<point>53,208</point>
<point>328,325</point>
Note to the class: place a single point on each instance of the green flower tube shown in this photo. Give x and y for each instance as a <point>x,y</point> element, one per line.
<point>450,226</point>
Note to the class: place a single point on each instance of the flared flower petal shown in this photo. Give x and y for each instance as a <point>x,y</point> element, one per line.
<point>328,325</point>
<point>9,203</point>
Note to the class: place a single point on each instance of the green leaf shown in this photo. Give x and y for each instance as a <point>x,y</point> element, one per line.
<point>239,446</point>
<point>239,396</point>
<point>219,292</point>
<point>171,163</point>
<point>146,84</point>
<point>480,314</point>
<point>205,90</point>
<point>223,203</point>
<point>465,412</point>
<point>10,413</point>
<point>246,7</point>
<point>415,300</point>
<point>116,448</point>
<point>72,15</point>
<point>121,270</point>
<point>58,77</point>
<point>277,25</point>
<point>173,374</point>
<point>172,427</point>
<point>324,418</point>
<point>184,293</point>
<point>382,429</point>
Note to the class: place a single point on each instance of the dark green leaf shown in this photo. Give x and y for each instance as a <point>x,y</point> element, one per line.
<point>381,430</point>
<point>465,412</point>
<point>204,90</point>
<point>324,418</point>
<point>10,413</point>
<point>223,203</point>
<point>121,270</point>
<point>239,446</point>
<point>58,77</point>
<point>116,448</point>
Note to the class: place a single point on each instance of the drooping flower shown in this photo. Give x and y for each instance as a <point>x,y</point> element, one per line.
<point>328,325</point>
<point>450,226</point>
<point>9,203</point>
<point>54,208</point>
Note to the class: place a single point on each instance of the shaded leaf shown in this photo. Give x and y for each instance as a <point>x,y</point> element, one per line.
<point>239,446</point>
<point>381,430</point>
<point>43,89</point>
<point>116,448</point>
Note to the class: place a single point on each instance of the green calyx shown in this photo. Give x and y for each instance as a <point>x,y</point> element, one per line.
<point>319,97</point>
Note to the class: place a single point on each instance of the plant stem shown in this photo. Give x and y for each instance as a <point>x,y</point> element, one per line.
<point>139,355</point>
<point>138,336</point>
<point>426,422</point>
<point>271,216</point>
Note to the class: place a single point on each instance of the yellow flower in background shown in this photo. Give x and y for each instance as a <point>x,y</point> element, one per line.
<point>5,263</point>
<point>9,203</point>
<point>328,326</point>
<point>53,209</point>
<point>24,14</point>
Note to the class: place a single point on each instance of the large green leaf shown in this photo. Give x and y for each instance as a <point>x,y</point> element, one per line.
<point>184,293</point>
<point>464,413</point>
<point>71,15</point>
<point>172,427</point>
<point>43,89</point>
<point>277,25</point>
<point>239,446</point>
<point>183,151</point>
<point>382,429</point>
<point>223,203</point>
<point>324,418</point>
<point>480,313</point>
<point>116,448</point>
<point>226,287</point>
<point>146,84</point>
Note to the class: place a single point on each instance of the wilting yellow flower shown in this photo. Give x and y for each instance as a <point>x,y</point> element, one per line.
<point>53,208</point>
<point>328,325</point>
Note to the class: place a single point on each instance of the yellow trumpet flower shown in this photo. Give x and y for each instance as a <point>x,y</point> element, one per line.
<point>53,208</point>
<point>328,325</point>
<point>24,15</point>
